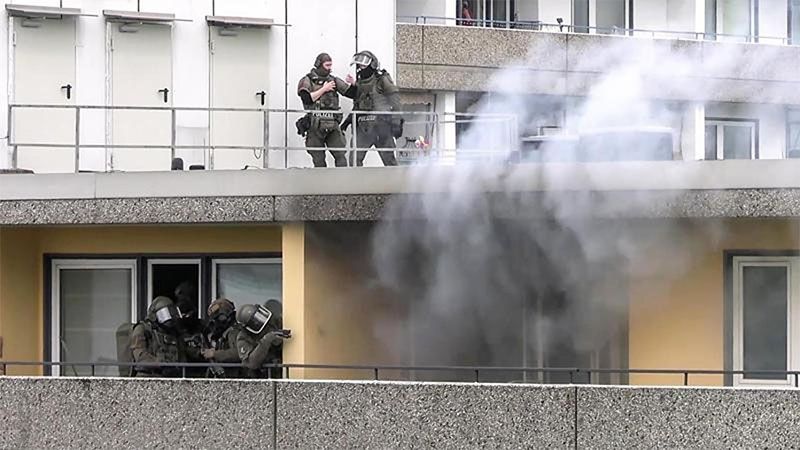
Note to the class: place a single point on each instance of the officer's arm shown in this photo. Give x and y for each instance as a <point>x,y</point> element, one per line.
<point>304,92</point>
<point>139,346</point>
<point>391,92</point>
<point>252,355</point>
<point>351,92</point>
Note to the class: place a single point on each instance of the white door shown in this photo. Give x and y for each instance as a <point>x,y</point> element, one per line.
<point>44,73</point>
<point>141,75</point>
<point>239,69</point>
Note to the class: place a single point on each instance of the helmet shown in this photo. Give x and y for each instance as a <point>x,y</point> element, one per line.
<point>163,311</point>
<point>253,318</point>
<point>221,314</point>
<point>276,308</point>
<point>365,59</point>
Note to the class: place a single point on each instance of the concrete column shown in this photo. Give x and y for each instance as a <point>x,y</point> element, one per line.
<point>294,298</point>
<point>692,138</point>
<point>446,135</point>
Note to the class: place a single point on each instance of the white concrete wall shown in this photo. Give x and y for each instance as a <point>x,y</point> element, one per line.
<point>771,124</point>
<point>316,26</point>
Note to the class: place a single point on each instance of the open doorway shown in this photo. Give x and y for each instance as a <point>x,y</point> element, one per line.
<point>165,276</point>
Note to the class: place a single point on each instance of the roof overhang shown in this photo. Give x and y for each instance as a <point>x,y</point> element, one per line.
<point>140,17</point>
<point>233,21</point>
<point>43,12</point>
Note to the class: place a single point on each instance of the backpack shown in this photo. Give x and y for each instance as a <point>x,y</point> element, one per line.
<point>124,352</point>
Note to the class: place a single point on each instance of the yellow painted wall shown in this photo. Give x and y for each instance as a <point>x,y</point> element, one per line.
<point>22,253</point>
<point>677,313</point>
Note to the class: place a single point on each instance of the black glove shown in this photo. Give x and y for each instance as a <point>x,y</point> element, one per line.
<point>347,122</point>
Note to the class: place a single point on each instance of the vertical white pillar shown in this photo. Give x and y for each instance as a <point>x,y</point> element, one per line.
<point>693,132</point>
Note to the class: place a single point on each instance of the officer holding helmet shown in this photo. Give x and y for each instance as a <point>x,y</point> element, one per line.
<point>260,341</point>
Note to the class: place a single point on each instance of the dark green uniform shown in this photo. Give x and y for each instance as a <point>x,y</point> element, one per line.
<point>324,130</point>
<point>152,344</point>
<point>257,350</point>
<point>376,93</point>
<point>225,351</point>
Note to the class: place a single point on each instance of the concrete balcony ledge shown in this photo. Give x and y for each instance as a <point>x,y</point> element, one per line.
<point>452,58</point>
<point>761,188</point>
<point>159,413</point>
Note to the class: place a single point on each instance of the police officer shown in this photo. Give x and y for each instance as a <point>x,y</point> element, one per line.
<point>260,341</point>
<point>319,90</point>
<point>374,90</point>
<point>191,328</point>
<point>222,331</point>
<point>157,340</point>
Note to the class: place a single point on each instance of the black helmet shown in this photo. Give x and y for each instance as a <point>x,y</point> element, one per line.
<point>365,58</point>
<point>221,314</point>
<point>253,318</point>
<point>276,308</point>
<point>185,299</point>
<point>163,311</point>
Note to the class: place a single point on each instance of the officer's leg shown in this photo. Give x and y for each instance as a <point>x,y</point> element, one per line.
<point>314,139</point>
<point>335,139</point>
<point>385,140</point>
<point>364,140</point>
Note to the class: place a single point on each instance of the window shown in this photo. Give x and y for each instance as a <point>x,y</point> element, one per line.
<point>610,16</point>
<point>764,309</point>
<point>248,280</point>
<point>794,22</point>
<point>731,20</point>
<point>731,139</point>
<point>91,298</point>
<point>793,133</point>
<point>580,16</point>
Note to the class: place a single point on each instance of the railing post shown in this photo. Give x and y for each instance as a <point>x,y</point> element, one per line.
<point>183,371</point>
<point>477,375</point>
<point>173,134</point>
<point>92,368</point>
<point>354,142</point>
<point>265,155</point>
<point>376,374</point>
<point>12,148</point>
<point>796,380</point>
<point>685,378</point>
<point>78,147</point>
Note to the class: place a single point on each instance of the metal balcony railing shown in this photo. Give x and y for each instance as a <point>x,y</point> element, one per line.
<point>505,125</point>
<point>536,25</point>
<point>477,374</point>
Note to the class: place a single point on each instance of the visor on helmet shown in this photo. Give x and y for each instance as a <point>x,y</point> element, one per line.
<point>167,315</point>
<point>259,320</point>
<point>361,59</point>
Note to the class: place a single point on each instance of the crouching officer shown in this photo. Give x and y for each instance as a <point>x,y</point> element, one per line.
<point>260,341</point>
<point>319,90</point>
<point>222,332</point>
<point>374,90</point>
<point>157,339</point>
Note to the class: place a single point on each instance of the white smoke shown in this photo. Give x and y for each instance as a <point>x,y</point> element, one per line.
<point>498,277</point>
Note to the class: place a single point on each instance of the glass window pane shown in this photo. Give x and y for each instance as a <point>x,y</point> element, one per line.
<point>711,19</point>
<point>764,310</point>
<point>610,14</point>
<point>794,24</point>
<point>737,142</point>
<point>580,15</point>
<point>249,283</point>
<point>93,303</point>
<point>711,142</point>
<point>735,17</point>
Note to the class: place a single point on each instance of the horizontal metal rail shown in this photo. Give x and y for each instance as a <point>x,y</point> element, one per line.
<point>574,373</point>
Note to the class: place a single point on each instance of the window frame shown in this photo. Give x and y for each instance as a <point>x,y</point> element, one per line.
<point>175,261</point>
<point>718,35</point>
<point>216,261</point>
<point>58,264</point>
<point>719,123</point>
<point>792,264</point>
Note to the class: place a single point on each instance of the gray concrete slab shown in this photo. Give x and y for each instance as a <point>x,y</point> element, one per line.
<point>408,42</point>
<point>687,418</point>
<point>415,415</point>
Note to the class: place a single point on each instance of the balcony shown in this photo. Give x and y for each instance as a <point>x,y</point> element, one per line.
<point>457,58</point>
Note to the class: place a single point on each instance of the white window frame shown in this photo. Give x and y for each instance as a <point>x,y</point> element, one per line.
<point>215,262</point>
<point>55,290</point>
<point>176,261</point>
<point>792,265</point>
<point>719,128</point>
<point>751,32</point>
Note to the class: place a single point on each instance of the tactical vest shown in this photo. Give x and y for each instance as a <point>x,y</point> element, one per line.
<point>165,347</point>
<point>370,96</point>
<point>329,100</point>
